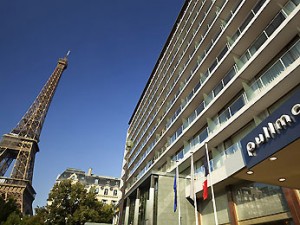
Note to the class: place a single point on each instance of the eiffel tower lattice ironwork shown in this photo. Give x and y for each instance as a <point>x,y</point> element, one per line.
<point>18,148</point>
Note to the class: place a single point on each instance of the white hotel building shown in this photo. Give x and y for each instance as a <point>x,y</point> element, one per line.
<point>227,76</point>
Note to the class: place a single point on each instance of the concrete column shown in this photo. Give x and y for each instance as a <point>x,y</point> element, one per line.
<point>127,212</point>
<point>136,207</point>
<point>232,207</point>
<point>150,204</point>
<point>293,202</point>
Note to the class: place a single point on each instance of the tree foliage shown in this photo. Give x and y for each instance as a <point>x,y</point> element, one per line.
<point>71,204</point>
<point>6,208</point>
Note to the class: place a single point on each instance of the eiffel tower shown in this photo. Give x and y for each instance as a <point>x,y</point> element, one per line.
<point>18,148</point>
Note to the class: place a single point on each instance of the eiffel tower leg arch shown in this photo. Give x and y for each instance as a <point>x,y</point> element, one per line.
<point>19,184</point>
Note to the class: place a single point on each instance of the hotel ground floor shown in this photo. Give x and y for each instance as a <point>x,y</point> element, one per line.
<point>244,202</point>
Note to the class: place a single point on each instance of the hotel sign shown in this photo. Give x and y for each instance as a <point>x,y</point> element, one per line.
<point>274,133</point>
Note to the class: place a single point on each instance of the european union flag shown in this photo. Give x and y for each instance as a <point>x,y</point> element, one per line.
<point>175,193</point>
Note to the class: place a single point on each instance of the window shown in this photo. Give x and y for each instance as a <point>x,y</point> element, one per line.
<point>258,6</point>
<point>115,192</point>
<point>229,75</point>
<point>257,200</point>
<point>247,21</point>
<point>258,43</point>
<point>275,23</point>
<point>105,191</point>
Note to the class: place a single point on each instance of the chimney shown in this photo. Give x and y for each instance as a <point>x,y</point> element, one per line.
<point>89,172</point>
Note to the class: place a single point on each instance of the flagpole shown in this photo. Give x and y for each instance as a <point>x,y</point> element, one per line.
<point>211,185</point>
<point>193,189</point>
<point>178,196</point>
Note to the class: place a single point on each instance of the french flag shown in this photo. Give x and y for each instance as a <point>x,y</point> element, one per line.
<point>205,187</point>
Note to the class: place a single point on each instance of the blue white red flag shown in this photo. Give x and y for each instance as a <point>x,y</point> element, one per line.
<point>206,172</point>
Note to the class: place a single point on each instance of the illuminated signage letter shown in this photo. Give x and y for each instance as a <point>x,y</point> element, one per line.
<point>296,110</point>
<point>251,148</point>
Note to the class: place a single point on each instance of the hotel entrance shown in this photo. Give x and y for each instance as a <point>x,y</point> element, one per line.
<point>271,156</point>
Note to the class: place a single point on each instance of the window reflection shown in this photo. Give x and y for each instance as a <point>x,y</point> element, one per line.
<point>257,199</point>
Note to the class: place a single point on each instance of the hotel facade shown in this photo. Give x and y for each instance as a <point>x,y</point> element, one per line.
<point>227,78</point>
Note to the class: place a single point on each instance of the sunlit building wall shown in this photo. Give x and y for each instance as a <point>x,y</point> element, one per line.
<point>226,68</point>
<point>107,189</point>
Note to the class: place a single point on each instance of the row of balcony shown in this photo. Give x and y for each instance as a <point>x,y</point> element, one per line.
<point>193,92</point>
<point>269,77</point>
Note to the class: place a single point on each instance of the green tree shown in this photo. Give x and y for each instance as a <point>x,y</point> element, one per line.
<point>17,219</point>
<point>71,204</point>
<point>6,208</point>
<point>13,219</point>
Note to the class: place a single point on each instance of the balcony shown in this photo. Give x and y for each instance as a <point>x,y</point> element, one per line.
<point>223,166</point>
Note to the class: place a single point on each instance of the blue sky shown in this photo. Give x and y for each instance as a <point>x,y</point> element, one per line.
<point>114,47</point>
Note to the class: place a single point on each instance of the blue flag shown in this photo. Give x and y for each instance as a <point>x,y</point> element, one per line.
<point>175,193</point>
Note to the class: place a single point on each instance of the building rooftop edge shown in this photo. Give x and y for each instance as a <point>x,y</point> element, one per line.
<point>160,57</point>
<point>92,175</point>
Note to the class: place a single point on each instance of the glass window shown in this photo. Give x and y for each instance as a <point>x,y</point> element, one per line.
<point>272,73</point>
<point>256,200</point>
<point>258,43</point>
<point>204,77</point>
<point>218,88</point>
<point>200,108</point>
<point>290,6</point>
<point>180,155</point>
<point>292,55</point>
<point>254,89</point>
<point>224,116</point>
<point>197,87</point>
<point>190,95</point>
<point>297,2</point>
<point>173,138</point>
<point>275,23</point>
<point>258,6</point>
<point>234,37</point>
<point>237,105</point>
<point>222,53</point>
<point>248,19</point>
<point>203,135</point>
<point>115,192</point>
<point>214,64</point>
<point>244,58</point>
<point>191,117</point>
<point>209,98</point>
<point>229,76</point>
<point>179,131</point>
<point>105,191</point>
